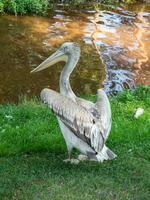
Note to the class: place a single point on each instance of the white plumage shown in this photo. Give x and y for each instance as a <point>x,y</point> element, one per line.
<point>84,125</point>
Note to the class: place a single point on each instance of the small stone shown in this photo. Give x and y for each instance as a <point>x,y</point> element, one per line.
<point>138,113</point>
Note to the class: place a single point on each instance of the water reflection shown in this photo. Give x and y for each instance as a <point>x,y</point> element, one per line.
<point>27,41</point>
<point>123,44</point>
<point>120,37</point>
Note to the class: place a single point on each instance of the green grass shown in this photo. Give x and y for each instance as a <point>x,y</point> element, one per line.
<point>23,7</point>
<point>32,151</point>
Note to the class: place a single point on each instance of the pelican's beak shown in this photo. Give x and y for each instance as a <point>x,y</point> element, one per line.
<point>53,59</point>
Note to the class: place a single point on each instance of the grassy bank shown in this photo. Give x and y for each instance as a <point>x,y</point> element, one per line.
<point>23,7</point>
<point>32,151</point>
<point>42,7</point>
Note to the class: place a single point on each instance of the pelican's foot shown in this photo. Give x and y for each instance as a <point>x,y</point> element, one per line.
<point>82,157</point>
<point>67,160</point>
<point>75,161</point>
<point>72,161</point>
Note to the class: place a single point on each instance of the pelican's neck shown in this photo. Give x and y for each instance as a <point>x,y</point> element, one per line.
<point>65,88</point>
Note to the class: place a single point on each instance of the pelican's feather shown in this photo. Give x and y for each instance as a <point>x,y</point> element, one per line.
<point>77,118</point>
<point>101,111</point>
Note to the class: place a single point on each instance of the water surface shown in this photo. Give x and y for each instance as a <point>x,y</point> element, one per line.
<point>115,45</point>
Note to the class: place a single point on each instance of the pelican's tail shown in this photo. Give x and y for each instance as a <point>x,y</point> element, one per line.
<point>105,154</point>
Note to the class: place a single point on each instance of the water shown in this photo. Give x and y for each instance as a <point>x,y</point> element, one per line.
<point>115,45</point>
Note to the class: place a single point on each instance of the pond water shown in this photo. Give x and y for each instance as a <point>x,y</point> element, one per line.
<point>115,50</point>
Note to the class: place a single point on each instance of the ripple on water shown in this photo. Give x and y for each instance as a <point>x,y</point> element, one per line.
<point>123,43</point>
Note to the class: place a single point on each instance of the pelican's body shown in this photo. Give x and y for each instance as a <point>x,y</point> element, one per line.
<point>84,125</point>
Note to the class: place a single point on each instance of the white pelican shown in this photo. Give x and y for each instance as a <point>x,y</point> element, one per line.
<point>84,125</point>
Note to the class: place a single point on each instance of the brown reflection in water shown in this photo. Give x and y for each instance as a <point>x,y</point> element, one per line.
<point>27,41</point>
<point>123,40</point>
<point>142,66</point>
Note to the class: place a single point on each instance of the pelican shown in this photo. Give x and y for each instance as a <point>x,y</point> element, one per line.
<point>84,125</point>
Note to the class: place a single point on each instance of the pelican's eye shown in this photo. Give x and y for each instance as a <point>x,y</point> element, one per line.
<point>65,49</point>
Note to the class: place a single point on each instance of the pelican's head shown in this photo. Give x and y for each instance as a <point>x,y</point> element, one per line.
<point>65,52</point>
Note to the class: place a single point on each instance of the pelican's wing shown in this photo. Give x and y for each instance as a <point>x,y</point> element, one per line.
<point>80,121</point>
<point>101,110</point>
<point>88,105</point>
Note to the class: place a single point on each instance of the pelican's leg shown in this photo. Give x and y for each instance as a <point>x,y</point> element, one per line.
<point>71,160</point>
<point>69,147</point>
<point>69,155</point>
